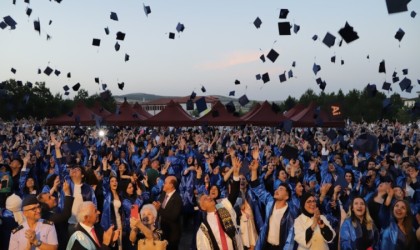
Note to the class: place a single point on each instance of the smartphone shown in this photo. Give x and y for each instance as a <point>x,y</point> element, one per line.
<point>135,212</point>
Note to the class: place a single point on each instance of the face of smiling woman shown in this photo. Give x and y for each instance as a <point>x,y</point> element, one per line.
<point>359,208</point>
<point>400,210</point>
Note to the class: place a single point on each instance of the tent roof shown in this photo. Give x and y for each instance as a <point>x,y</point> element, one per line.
<point>265,116</point>
<point>251,112</point>
<point>172,115</point>
<point>219,116</point>
<point>140,110</point>
<point>126,116</point>
<point>101,111</point>
<point>80,115</point>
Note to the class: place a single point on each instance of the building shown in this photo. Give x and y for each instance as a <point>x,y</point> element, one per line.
<point>157,105</point>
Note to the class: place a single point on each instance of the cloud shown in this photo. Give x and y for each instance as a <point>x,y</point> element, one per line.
<point>233,59</point>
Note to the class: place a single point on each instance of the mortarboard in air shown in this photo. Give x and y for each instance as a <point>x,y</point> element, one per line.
<point>39,71</point>
<point>282,77</point>
<point>3,25</point>
<point>203,89</point>
<point>48,37</point>
<point>57,72</point>
<point>395,79</point>
<point>121,85</point>
<point>340,43</point>
<point>286,125</point>
<point>367,57</point>
<point>333,59</point>
<point>37,26</point>
<point>265,77</point>
<point>258,76</point>
<point>26,1</point>
<point>371,90</point>
<point>120,36</point>
<point>96,42</point>
<point>262,57</point>
<point>19,83</point>
<point>180,27</point>
<point>66,88</point>
<point>147,10</point>
<point>348,34</point>
<point>104,86</point>
<point>114,16</point>
<point>329,40</point>
<point>9,21</point>
<point>232,93</point>
<point>66,93</point>
<point>315,37</point>
<point>283,13</point>
<point>28,11</point>
<point>290,74</point>
<point>316,68</point>
<point>190,105</point>
<point>342,62</point>
<point>97,80</point>
<point>50,22</point>
<point>399,35</point>
<point>405,83</point>
<point>193,95</point>
<point>296,28</point>
<point>126,58</point>
<point>257,23</point>
<point>171,35</point>
<point>322,85</point>
<point>386,86</point>
<point>237,82</point>
<point>76,87</point>
<point>409,89</point>
<point>230,107</point>
<point>382,67</point>
<point>413,14</point>
<point>106,30</point>
<point>243,100</point>
<point>13,70</point>
<point>405,71</point>
<point>294,64</point>
<point>394,74</point>
<point>395,6</point>
<point>117,46</point>
<point>29,84</point>
<point>272,55</point>
<point>48,71</point>
<point>386,103</point>
<point>284,28</point>
<point>418,81</point>
<point>201,104</point>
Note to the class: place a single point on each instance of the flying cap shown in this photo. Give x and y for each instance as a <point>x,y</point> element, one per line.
<point>399,35</point>
<point>66,88</point>
<point>329,40</point>
<point>284,28</point>
<point>13,70</point>
<point>171,35</point>
<point>294,64</point>
<point>382,67</point>
<point>296,28</point>
<point>203,89</point>
<point>9,21</point>
<point>290,74</point>
<point>386,103</point>
<point>190,105</point>
<point>405,71</point>
<point>371,90</point>
<point>283,13</point>
<point>272,55</point>
<point>96,42</point>
<point>104,86</point>
<point>342,62</point>
<point>50,22</point>
<point>286,125</point>
<point>386,86</point>
<point>147,10</point>
<point>120,36</point>
<point>395,79</point>
<point>37,26</point>
<point>121,85</point>
<point>69,75</point>
<point>237,82</point>
<point>3,25</point>
<point>180,27</point>
<point>282,77</point>
<point>57,72</point>
<point>257,23</point>
<point>413,14</point>
<point>315,37</point>
<point>106,30</point>
<point>48,71</point>
<point>28,11</point>
<point>243,100</point>
<point>258,76</point>
<point>97,80</point>
<point>201,104</point>
<point>117,46</point>
<point>348,34</point>
<point>333,59</point>
<point>232,93</point>
<point>193,95</point>
<point>76,87</point>
<point>114,16</point>
<point>230,107</point>
<point>126,58</point>
<point>265,77</point>
<point>405,84</point>
<point>366,143</point>
<point>262,57</point>
<point>290,152</point>
<point>316,68</point>
<point>395,6</point>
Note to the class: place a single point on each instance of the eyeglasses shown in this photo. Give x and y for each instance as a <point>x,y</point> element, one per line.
<point>33,209</point>
<point>311,201</point>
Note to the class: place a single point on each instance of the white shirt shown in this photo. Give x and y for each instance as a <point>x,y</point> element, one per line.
<point>43,231</point>
<point>317,242</point>
<point>212,220</point>
<point>78,200</point>
<point>275,221</point>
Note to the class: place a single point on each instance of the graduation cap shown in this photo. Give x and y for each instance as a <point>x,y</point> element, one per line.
<point>332,134</point>
<point>366,143</point>
<point>413,14</point>
<point>39,71</point>
<point>272,55</point>
<point>76,87</point>
<point>106,30</point>
<point>333,59</point>
<point>96,42</point>
<point>50,22</point>
<point>19,83</point>
<point>348,34</point>
<point>126,58</point>
<point>66,88</point>
<point>190,105</point>
<point>201,104</point>
<point>193,95</point>
<point>315,37</point>
<point>258,76</point>
<point>26,1</point>
<point>290,152</point>
<point>290,74</point>
<point>284,28</point>
<point>66,93</point>
<point>286,125</point>
<point>405,83</point>
<point>13,70</point>
<point>283,13</point>
<point>282,77</point>
<point>405,71</point>
<point>203,89</point>
<point>29,84</point>
<point>257,23</point>
<point>316,68</point>
<point>147,10</point>
<point>322,85</point>
<point>3,25</point>
<point>28,11</point>
<point>232,93</point>
<point>395,6</point>
<point>397,148</point>
<point>9,21</point>
<point>230,107</point>
<point>180,27</point>
<point>329,40</point>
<point>394,74</point>
<point>386,86</point>
<point>97,80</point>
<point>114,16</point>
<point>265,77</point>
<point>37,26</point>
<point>104,86</point>
<point>121,85</point>
<point>57,72</point>
<point>120,36</point>
<point>243,100</point>
<point>296,28</point>
<point>48,71</point>
<point>382,67</point>
<point>262,57</point>
<point>395,79</point>
<point>171,35</point>
<point>117,46</point>
<point>399,35</point>
<point>293,64</point>
<point>371,90</point>
<point>342,62</point>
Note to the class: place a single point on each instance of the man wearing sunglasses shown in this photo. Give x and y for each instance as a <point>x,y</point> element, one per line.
<point>34,232</point>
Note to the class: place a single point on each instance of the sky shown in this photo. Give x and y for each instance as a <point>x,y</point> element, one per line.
<point>219,45</point>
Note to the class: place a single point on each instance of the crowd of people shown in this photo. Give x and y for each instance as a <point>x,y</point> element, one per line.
<point>245,187</point>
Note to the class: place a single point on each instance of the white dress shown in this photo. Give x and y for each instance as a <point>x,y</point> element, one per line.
<point>117,205</point>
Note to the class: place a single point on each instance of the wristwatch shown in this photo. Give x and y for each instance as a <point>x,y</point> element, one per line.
<point>38,243</point>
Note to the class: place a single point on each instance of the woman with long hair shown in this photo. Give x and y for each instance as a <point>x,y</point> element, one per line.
<point>400,233</point>
<point>358,230</point>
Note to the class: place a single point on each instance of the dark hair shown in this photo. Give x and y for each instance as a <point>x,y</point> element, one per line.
<point>408,220</point>
<point>288,190</point>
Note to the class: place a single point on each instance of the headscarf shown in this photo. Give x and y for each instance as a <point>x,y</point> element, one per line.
<point>303,199</point>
